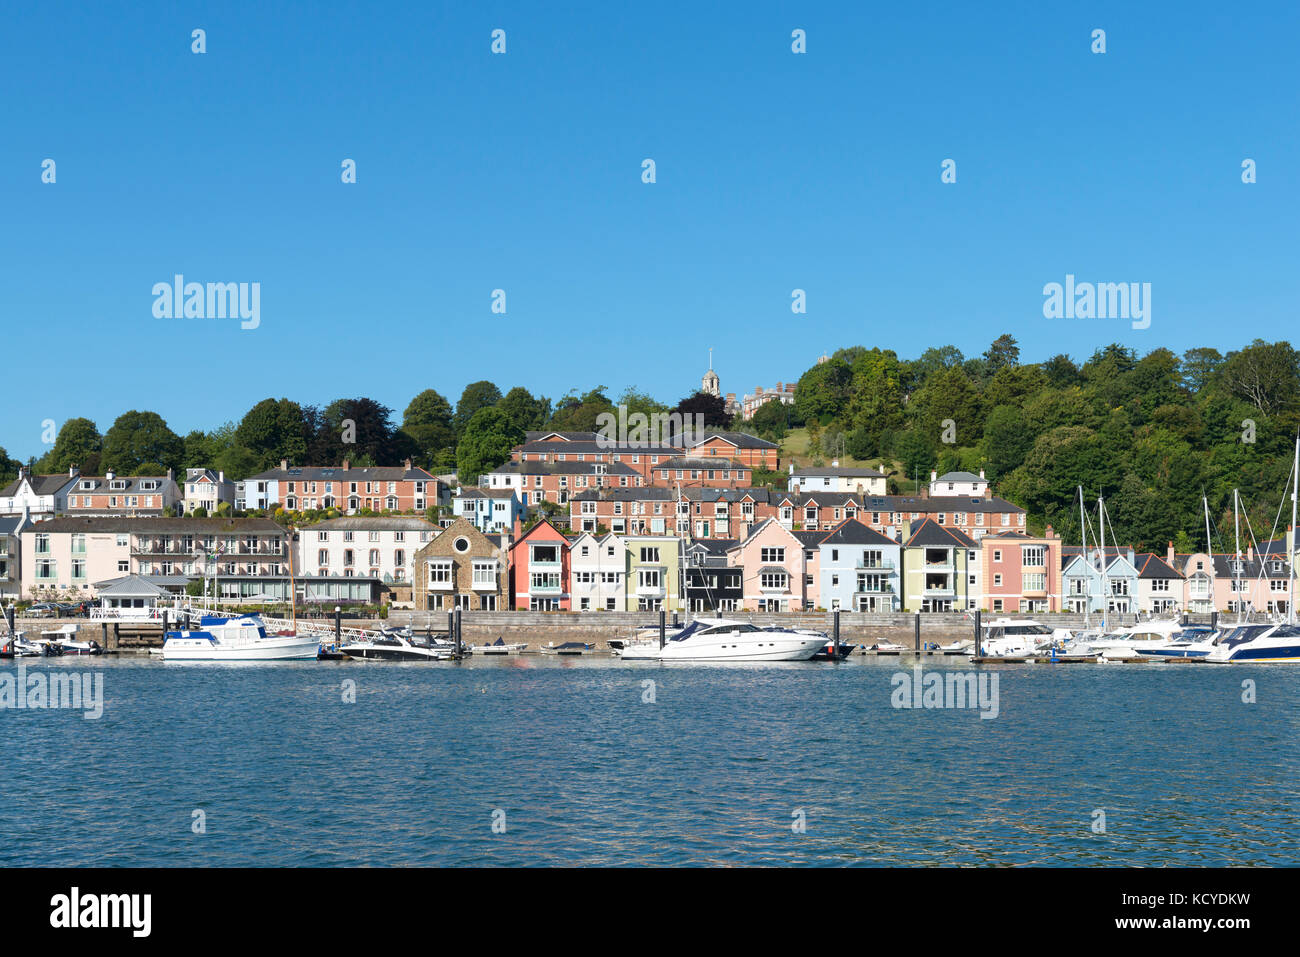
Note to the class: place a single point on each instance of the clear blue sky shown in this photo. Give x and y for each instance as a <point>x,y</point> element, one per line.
<point>775,171</point>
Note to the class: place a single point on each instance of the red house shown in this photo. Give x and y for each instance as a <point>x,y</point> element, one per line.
<point>540,569</point>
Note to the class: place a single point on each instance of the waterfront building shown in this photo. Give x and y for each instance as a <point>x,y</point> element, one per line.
<point>859,569</point>
<point>11,544</point>
<point>541,569</point>
<point>1160,586</point>
<point>381,547</point>
<point>653,573</point>
<point>598,570</point>
<point>939,569</point>
<point>712,585</point>
<point>775,568</point>
<point>462,568</point>
<point>1020,573</point>
<point>556,482</point>
<point>1085,587</point>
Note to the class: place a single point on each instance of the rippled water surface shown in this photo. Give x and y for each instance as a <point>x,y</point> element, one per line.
<point>714,771</point>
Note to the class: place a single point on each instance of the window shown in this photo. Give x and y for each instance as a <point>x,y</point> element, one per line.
<point>439,573</point>
<point>772,555</point>
<point>772,581</point>
<point>650,555</point>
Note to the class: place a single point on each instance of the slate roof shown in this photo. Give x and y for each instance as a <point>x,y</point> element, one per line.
<point>160,525</point>
<point>852,532</point>
<point>931,533</point>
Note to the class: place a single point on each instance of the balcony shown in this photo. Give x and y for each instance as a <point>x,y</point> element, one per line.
<point>865,588</point>
<point>550,586</point>
<point>482,585</point>
<point>885,564</point>
<point>644,590</point>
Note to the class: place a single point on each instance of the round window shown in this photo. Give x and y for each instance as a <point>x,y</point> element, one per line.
<point>461,544</point>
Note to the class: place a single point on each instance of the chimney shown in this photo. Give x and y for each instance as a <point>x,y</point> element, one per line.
<point>518,526</point>
<point>1049,532</point>
<point>780,387</point>
<point>407,463</point>
<point>835,463</point>
<point>1250,552</point>
<point>171,475</point>
<point>934,476</point>
<point>284,465</point>
<point>981,473</point>
<point>109,475</point>
<point>791,468</point>
<point>23,471</point>
<point>346,465</point>
<point>1169,554</point>
<point>221,476</point>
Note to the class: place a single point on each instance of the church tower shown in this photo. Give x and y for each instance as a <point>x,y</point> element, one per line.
<point>709,384</point>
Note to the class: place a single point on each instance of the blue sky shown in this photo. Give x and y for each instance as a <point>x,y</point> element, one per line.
<point>775,171</point>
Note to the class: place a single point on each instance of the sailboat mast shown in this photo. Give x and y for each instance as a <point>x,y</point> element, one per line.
<point>1105,582</point>
<point>1083,539</point>
<point>1236,555</point>
<point>1295,491</point>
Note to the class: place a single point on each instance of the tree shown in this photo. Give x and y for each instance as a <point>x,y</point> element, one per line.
<point>526,412</point>
<point>1002,353</point>
<point>1265,374</point>
<point>1006,441</point>
<point>137,438</point>
<point>712,409</point>
<point>770,420</point>
<point>580,413</point>
<point>477,395</point>
<point>272,430</point>
<point>917,451</point>
<point>822,392</point>
<point>78,443</point>
<point>359,430</point>
<point>1200,366</point>
<point>428,423</point>
<point>486,443</point>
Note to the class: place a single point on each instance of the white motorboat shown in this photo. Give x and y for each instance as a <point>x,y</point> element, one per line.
<point>1118,642</point>
<point>1258,644</point>
<point>720,639</point>
<point>568,648</point>
<point>888,647</point>
<point>1188,643</point>
<point>500,647</point>
<point>237,638</point>
<point>1016,638</point>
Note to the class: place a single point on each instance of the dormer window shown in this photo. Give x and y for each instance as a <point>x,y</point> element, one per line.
<point>117,485</point>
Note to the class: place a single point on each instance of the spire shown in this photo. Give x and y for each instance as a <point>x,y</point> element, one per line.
<point>710,358</point>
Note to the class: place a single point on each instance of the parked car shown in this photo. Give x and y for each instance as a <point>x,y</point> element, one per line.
<point>42,609</point>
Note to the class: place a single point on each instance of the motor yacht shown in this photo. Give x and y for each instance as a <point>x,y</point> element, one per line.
<point>720,639</point>
<point>1258,644</point>
<point>237,638</point>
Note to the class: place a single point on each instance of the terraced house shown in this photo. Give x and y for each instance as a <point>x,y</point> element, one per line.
<point>705,513</point>
<point>598,571</point>
<point>37,496</point>
<point>860,569</point>
<point>775,569</point>
<point>856,481</point>
<point>1087,588</point>
<point>491,510</point>
<point>66,556</point>
<point>537,482</point>
<point>653,573</point>
<point>379,547</point>
<point>112,494</point>
<point>939,569</point>
<point>541,573</point>
<point>463,568</point>
<point>346,488</point>
<point>1021,573</point>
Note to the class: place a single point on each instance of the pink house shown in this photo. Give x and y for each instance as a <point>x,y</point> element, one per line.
<point>775,568</point>
<point>539,565</point>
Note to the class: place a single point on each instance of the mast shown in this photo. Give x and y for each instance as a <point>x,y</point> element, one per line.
<point>293,594</point>
<point>1295,491</point>
<point>1083,539</point>
<point>1105,581</point>
<point>1236,555</point>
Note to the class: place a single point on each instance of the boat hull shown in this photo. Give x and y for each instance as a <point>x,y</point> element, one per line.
<point>281,648</point>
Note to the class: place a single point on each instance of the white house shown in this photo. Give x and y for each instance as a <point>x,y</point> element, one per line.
<point>959,483</point>
<point>836,479</point>
<point>598,567</point>
<point>381,547</point>
<point>37,496</point>
<point>491,510</point>
<point>206,489</point>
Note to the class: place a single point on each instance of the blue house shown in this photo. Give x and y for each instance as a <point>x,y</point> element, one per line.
<point>859,569</point>
<point>1086,589</point>
<point>490,510</point>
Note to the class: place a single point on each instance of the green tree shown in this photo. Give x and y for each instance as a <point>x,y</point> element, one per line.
<point>78,443</point>
<point>139,438</point>
<point>272,430</point>
<point>486,443</point>
<point>477,395</point>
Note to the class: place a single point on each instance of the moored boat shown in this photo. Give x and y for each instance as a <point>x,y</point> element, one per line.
<point>720,639</point>
<point>237,638</point>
